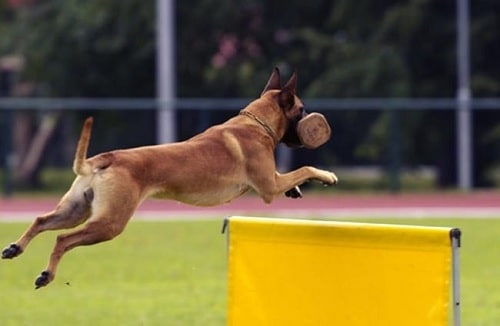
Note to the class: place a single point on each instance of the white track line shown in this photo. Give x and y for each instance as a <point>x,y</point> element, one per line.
<point>331,213</point>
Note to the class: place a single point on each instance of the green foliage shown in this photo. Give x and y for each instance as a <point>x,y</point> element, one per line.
<point>90,48</point>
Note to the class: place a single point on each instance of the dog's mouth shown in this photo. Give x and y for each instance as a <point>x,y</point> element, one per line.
<point>308,130</point>
<point>291,137</point>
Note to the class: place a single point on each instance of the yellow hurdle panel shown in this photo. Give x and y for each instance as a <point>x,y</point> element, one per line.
<point>303,272</point>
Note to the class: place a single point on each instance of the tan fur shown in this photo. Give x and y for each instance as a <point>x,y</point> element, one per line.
<point>79,166</point>
<point>211,168</point>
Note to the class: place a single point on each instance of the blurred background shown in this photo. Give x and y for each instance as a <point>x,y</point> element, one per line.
<point>410,88</point>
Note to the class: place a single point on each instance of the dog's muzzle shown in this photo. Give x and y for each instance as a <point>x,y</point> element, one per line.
<point>313,130</point>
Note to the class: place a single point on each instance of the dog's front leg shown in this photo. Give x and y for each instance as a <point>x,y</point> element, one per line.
<point>291,180</point>
<point>295,192</point>
<point>288,182</point>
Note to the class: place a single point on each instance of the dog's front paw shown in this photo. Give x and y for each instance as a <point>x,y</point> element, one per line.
<point>11,251</point>
<point>330,179</point>
<point>42,280</point>
<point>294,192</point>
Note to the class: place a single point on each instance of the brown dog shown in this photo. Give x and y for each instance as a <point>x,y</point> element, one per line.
<point>209,169</point>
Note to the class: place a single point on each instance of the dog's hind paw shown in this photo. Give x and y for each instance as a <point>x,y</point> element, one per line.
<point>11,251</point>
<point>294,193</point>
<point>42,280</point>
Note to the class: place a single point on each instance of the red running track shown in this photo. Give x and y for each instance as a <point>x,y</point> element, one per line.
<point>476,204</point>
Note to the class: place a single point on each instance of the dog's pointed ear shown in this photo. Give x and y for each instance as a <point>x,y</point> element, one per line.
<point>273,82</point>
<point>291,84</point>
<point>287,94</point>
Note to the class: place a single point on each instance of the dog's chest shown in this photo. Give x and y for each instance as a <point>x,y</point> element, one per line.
<point>212,197</point>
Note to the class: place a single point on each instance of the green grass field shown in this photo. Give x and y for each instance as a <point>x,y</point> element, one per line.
<point>174,273</point>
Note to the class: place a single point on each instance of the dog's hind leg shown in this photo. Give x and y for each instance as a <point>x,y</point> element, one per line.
<point>91,233</point>
<point>103,225</point>
<point>69,213</point>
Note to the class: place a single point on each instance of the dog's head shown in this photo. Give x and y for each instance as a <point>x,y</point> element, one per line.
<point>313,132</point>
<point>291,106</point>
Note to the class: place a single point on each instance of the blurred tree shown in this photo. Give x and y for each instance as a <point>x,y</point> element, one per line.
<point>428,51</point>
<point>78,49</point>
<point>485,82</point>
<point>90,48</point>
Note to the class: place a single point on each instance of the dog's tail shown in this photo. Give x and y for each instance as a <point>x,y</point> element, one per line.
<point>80,167</point>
